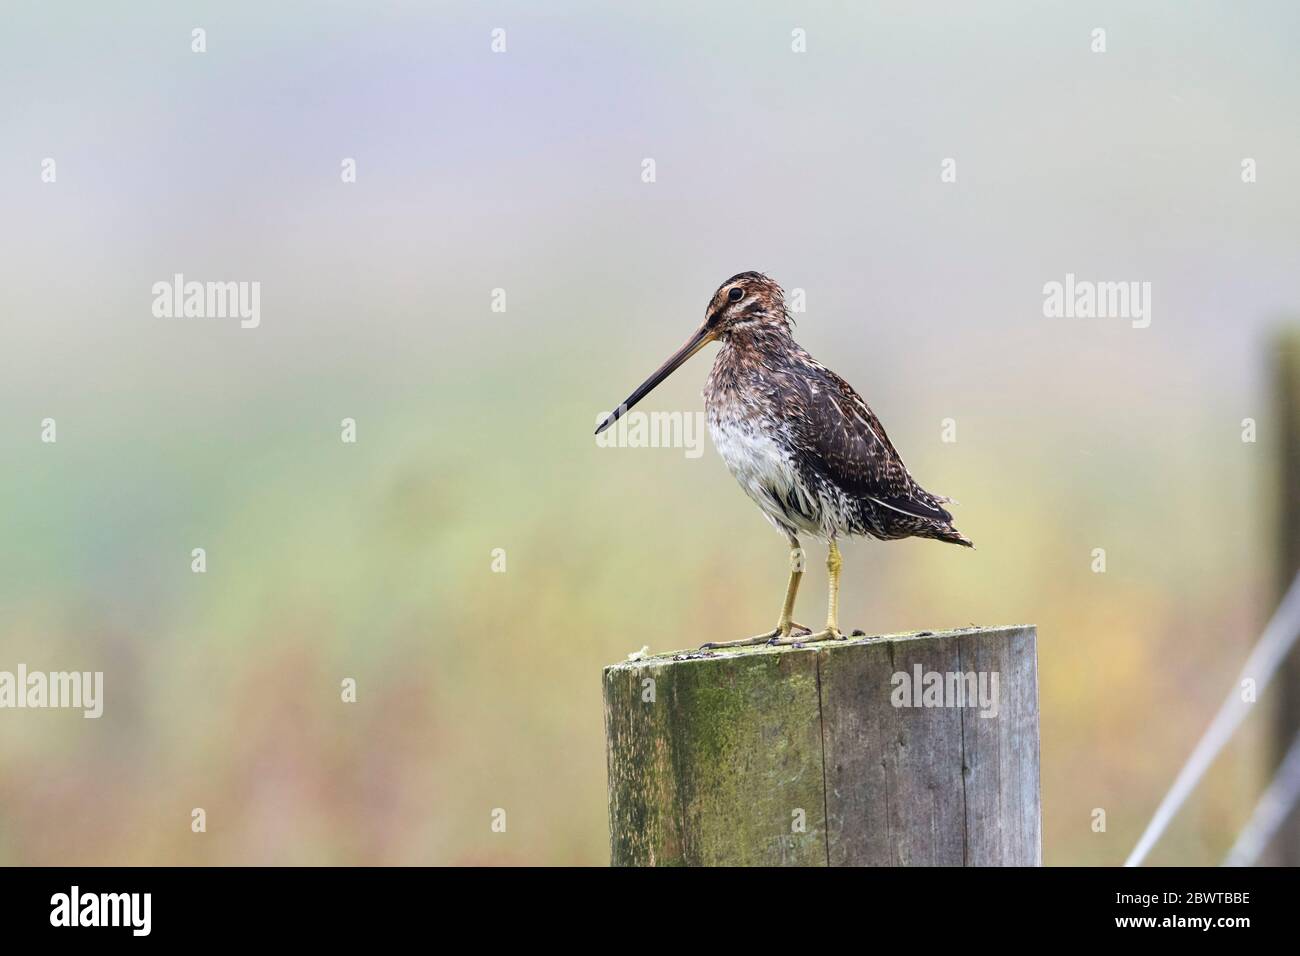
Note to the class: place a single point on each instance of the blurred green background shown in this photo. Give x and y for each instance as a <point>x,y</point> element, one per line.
<point>476,171</point>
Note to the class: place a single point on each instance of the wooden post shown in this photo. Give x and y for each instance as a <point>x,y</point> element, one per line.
<point>841,753</point>
<point>1286,375</point>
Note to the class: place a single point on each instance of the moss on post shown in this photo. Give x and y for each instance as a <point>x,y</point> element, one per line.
<point>809,756</point>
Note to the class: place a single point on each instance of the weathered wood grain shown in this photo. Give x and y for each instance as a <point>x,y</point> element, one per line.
<point>766,756</point>
<point>1002,799</point>
<point>710,759</point>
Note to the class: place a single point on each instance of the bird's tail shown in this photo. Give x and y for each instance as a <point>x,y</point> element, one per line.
<point>953,536</point>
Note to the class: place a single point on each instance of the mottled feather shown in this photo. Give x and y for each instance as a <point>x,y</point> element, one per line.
<point>801,442</point>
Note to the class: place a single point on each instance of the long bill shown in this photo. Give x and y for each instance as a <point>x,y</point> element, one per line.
<point>702,337</point>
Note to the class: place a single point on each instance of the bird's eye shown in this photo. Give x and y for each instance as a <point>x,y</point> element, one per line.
<point>735,295</point>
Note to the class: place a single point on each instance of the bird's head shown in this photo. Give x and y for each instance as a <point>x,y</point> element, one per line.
<point>749,303</point>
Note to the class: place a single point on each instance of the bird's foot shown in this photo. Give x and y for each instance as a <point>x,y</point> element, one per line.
<point>830,634</point>
<point>775,636</point>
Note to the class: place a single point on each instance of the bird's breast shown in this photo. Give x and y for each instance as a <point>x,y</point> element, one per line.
<point>750,446</point>
<point>755,451</point>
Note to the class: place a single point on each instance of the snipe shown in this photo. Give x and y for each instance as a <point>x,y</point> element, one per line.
<point>801,442</point>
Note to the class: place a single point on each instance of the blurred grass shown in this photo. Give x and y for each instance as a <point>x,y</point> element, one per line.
<point>480,690</point>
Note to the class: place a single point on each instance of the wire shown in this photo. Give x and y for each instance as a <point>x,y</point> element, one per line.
<point>1271,811</point>
<point>1262,664</point>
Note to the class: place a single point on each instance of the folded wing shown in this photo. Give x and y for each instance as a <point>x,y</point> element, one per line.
<point>841,439</point>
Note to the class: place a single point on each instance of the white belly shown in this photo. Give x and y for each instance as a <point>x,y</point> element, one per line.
<point>764,470</point>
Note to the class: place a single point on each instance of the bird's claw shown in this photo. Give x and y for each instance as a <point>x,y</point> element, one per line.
<point>830,634</point>
<point>771,638</point>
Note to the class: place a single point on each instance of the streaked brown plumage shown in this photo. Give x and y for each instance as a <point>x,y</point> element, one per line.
<point>799,440</point>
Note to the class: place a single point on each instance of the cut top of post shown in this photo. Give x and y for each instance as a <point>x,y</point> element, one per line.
<point>722,653</point>
<point>916,748</point>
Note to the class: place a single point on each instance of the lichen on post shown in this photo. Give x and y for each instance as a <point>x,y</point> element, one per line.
<point>908,749</point>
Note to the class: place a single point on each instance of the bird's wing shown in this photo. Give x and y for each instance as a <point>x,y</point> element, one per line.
<point>840,437</point>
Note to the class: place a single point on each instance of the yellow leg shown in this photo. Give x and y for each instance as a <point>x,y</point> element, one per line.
<point>786,620</point>
<point>785,625</point>
<point>833,564</point>
<point>832,632</point>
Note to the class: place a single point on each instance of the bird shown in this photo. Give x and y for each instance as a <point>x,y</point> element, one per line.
<point>800,442</point>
